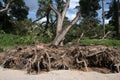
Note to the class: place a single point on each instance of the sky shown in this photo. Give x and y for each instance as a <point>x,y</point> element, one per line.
<point>71,13</point>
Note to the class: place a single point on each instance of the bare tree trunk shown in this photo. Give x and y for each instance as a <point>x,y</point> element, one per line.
<point>60,18</point>
<point>62,34</point>
<point>103,17</point>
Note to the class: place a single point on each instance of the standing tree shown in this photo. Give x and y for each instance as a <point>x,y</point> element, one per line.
<point>61,32</point>
<point>113,13</point>
<point>88,9</point>
<point>18,9</point>
<point>103,17</point>
<point>44,11</point>
<point>11,11</point>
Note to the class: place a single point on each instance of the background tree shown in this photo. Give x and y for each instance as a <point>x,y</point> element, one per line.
<point>19,10</point>
<point>112,14</point>
<point>44,11</point>
<point>88,9</point>
<point>16,11</point>
<point>103,17</point>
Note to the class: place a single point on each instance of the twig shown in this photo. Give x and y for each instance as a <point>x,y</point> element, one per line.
<point>6,8</point>
<point>80,37</point>
<point>82,61</point>
<point>106,34</point>
<point>94,53</point>
<point>38,64</point>
<point>118,67</point>
<point>49,62</point>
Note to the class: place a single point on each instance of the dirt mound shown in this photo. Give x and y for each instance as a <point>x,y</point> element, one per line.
<point>42,57</point>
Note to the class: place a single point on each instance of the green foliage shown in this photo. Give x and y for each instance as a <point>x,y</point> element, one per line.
<point>60,5</point>
<point>10,40</point>
<point>88,8</point>
<point>89,25</point>
<point>42,35</point>
<point>90,28</point>
<point>22,27</point>
<point>90,31</point>
<point>74,33</point>
<point>17,11</point>
<point>111,29</point>
<point>44,8</point>
<point>112,14</point>
<point>111,43</point>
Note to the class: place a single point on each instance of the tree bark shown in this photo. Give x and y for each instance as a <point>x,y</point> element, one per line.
<point>62,34</point>
<point>103,17</point>
<point>61,17</point>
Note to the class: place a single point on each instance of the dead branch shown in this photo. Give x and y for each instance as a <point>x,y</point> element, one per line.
<point>49,61</point>
<point>117,67</point>
<point>38,65</point>
<point>106,34</point>
<point>93,54</point>
<point>81,36</point>
<point>7,6</point>
<point>55,10</point>
<point>82,61</point>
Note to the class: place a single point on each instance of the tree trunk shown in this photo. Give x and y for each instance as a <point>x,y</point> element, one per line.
<point>59,25</point>
<point>62,34</point>
<point>60,18</point>
<point>103,17</point>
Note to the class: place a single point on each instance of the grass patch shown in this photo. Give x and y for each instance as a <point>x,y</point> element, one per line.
<point>114,43</point>
<point>8,41</point>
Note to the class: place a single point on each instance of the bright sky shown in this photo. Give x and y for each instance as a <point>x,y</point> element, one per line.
<point>71,11</point>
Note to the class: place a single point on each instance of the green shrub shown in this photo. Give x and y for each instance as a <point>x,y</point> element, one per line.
<point>10,40</point>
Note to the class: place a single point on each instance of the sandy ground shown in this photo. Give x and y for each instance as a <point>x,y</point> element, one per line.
<point>7,74</point>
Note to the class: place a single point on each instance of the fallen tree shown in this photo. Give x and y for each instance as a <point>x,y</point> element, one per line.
<point>42,57</point>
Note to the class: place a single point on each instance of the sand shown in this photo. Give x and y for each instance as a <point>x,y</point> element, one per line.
<point>8,74</point>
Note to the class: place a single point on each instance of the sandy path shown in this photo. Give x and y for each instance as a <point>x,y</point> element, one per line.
<point>7,74</point>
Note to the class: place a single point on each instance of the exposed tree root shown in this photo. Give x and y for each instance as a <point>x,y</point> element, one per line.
<point>39,58</point>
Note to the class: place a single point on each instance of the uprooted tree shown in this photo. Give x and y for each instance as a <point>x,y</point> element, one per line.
<point>61,32</point>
